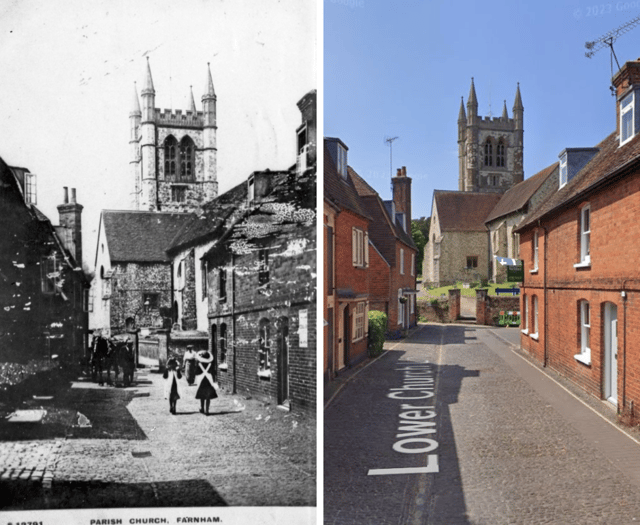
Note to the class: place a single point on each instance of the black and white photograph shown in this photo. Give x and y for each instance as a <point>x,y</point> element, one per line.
<point>158,340</point>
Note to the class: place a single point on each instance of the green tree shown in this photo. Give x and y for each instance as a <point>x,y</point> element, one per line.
<point>420,240</point>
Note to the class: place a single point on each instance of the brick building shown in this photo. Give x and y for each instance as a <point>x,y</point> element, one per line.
<point>43,289</point>
<point>244,272</point>
<point>581,296</point>
<point>369,259</point>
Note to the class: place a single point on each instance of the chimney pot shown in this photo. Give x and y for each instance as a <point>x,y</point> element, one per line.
<point>66,194</point>
<point>399,173</point>
<point>73,195</point>
<point>404,171</point>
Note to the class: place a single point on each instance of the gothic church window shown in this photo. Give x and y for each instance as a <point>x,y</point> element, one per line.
<point>488,153</point>
<point>500,154</point>
<point>187,158</point>
<point>170,160</point>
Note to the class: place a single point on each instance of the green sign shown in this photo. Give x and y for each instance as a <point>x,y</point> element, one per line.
<point>516,273</point>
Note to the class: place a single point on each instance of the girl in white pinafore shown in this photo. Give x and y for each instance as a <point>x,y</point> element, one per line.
<point>206,385</point>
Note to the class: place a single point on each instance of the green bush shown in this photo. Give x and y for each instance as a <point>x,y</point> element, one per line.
<point>377,329</point>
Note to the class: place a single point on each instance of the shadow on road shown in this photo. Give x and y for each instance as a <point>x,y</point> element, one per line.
<point>97,494</point>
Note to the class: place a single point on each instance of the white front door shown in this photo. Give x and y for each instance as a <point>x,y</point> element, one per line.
<point>611,353</point>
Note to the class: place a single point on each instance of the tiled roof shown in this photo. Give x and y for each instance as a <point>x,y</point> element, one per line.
<point>517,197</point>
<point>213,219</point>
<point>338,191</point>
<point>383,230</point>
<point>606,164</point>
<point>464,211</point>
<point>141,236</point>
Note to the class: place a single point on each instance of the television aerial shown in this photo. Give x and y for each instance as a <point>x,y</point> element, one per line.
<point>389,141</point>
<point>607,40</point>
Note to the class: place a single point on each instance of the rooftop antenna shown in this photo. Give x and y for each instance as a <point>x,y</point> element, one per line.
<point>607,40</point>
<point>389,140</point>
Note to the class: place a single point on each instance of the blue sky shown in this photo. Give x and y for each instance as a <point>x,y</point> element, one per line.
<point>69,68</point>
<point>399,69</point>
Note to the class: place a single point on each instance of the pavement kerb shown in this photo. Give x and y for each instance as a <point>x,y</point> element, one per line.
<point>516,349</point>
<point>369,362</point>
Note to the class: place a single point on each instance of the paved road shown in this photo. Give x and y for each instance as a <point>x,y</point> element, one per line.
<point>136,454</point>
<point>499,440</point>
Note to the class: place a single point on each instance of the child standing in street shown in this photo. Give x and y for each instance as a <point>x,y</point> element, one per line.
<point>171,384</point>
<point>206,385</point>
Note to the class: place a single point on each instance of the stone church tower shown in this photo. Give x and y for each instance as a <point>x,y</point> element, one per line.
<point>490,149</point>
<point>173,153</point>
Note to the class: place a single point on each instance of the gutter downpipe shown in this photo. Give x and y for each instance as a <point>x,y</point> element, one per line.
<point>624,347</point>
<point>545,295</point>
<point>233,321</point>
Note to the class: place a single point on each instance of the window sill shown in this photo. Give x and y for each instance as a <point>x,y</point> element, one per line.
<point>223,366</point>
<point>525,332</point>
<point>535,270</point>
<point>583,264</point>
<point>584,358</point>
<point>534,336</point>
<point>264,374</point>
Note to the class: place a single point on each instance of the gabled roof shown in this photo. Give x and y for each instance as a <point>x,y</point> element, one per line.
<point>464,211</point>
<point>608,163</point>
<point>141,236</point>
<point>338,191</point>
<point>517,197</point>
<point>207,225</point>
<point>383,229</point>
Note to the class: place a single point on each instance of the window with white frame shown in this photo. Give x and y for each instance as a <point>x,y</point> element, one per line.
<point>360,247</point>
<point>412,302</point>
<point>627,118</point>
<point>401,261</point>
<point>535,251</point>
<point>535,317</point>
<point>525,314</point>
<point>342,161</point>
<point>564,174</point>
<point>413,264</point>
<point>585,235</point>
<point>30,188</point>
<point>585,333</point>
<point>358,322</point>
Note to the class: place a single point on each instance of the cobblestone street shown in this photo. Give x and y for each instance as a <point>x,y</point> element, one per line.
<point>120,447</point>
<point>452,426</point>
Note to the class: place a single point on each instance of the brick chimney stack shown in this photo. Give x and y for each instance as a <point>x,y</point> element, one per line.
<point>402,196</point>
<point>70,214</point>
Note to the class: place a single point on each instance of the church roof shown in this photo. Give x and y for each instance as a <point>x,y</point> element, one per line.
<point>338,191</point>
<point>462,210</point>
<point>608,163</point>
<point>517,197</point>
<point>141,236</point>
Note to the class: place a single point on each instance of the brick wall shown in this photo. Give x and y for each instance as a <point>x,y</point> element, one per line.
<point>614,234</point>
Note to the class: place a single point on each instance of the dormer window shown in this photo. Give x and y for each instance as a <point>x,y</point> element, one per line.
<point>251,190</point>
<point>342,162</point>
<point>563,178</point>
<point>30,188</point>
<point>627,130</point>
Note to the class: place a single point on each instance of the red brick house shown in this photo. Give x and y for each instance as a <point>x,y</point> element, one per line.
<point>581,295</point>
<point>347,262</point>
<point>369,259</point>
<point>392,279</point>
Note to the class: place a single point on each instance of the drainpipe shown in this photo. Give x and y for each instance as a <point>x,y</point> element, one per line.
<point>233,321</point>
<point>544,293</point>
<point>624,346</point>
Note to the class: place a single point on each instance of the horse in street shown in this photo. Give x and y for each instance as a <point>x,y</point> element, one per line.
<point>101,358</point>
<point>124,359</point>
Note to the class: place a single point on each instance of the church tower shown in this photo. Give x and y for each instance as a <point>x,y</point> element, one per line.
<point>490,149</point>
<point>173,153</point>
